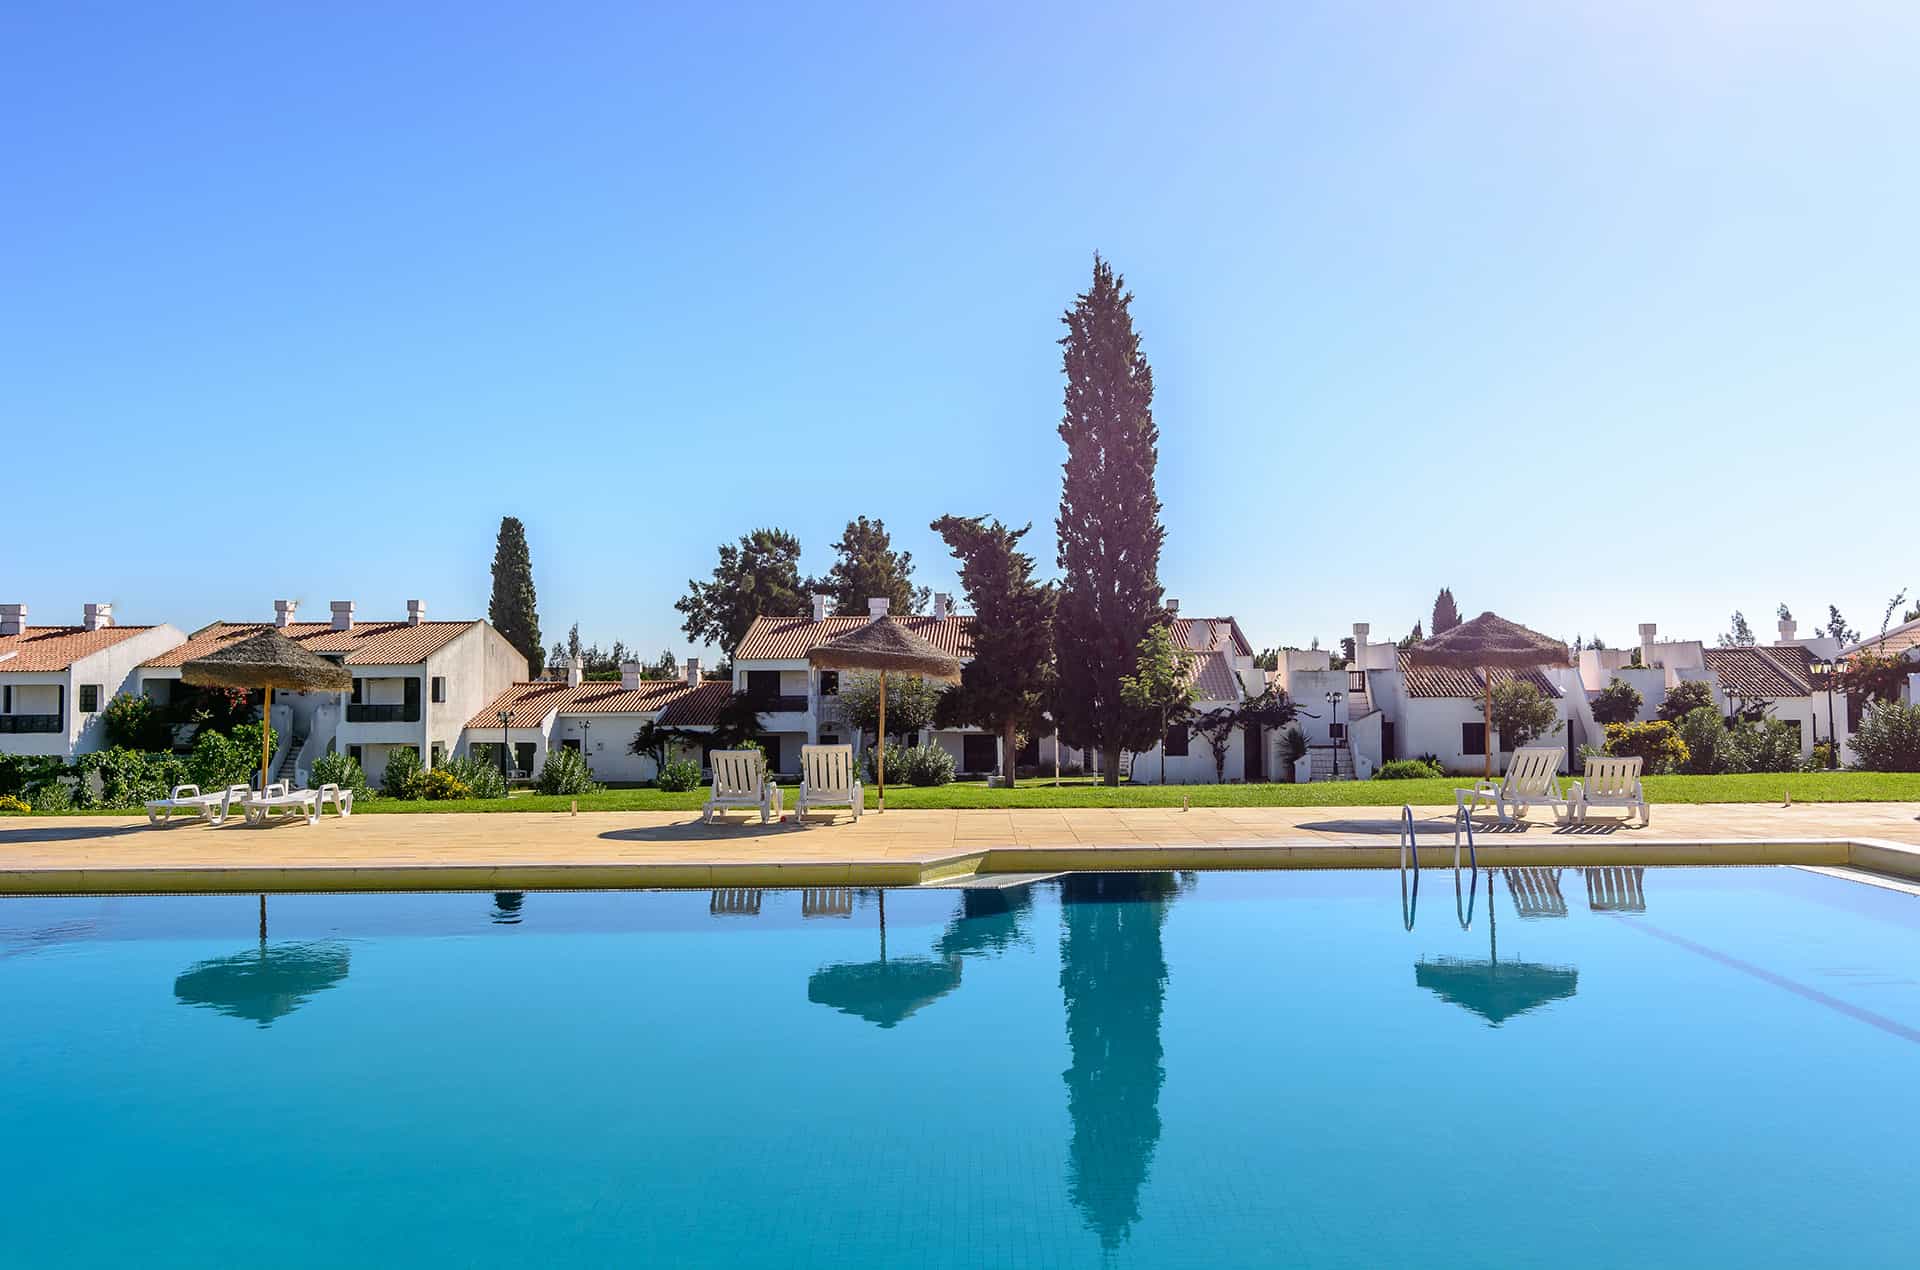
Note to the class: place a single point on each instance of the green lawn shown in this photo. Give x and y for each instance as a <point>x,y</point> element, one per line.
<point>1806,787</point>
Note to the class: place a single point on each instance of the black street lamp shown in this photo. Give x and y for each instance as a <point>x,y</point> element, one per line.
<point>1827,672</point>
<point>505,715</point>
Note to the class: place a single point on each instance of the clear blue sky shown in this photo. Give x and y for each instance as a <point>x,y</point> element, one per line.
<point>1598,313</point>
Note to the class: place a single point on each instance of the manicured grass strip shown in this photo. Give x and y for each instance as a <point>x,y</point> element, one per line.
<point>1806,787</point>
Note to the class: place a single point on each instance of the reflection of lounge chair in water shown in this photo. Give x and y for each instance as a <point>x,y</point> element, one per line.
<point>826,901</point>
<point>735,901</point>
<point>1536,892</point>
<point>1616,890</point>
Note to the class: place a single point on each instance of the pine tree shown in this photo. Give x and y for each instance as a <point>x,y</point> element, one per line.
<point>1741,635</point>
<point>868,568</point>
<point>1109,529</point>
<point>1446,615</point>
<point>1005,687</point>
<point>514,610</point>
<point>760,575</point>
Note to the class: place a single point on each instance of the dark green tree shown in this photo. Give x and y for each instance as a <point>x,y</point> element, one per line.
<point>1741,635</point>
<point>867,567</point>
<point>514,610</point>
<point>759,576</point>
<point>1109,529</point>
<point>1007,685</point>
<point>1684,698</point>
<point>1618,702</point>
<point>1446,614</point>
<point>1412,637</point>
<point>1837,627</point>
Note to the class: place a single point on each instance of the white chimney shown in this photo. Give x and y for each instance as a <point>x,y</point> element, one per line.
<point>576,671</point>
<point>283,611</point>
<point>877,606</point>
<point>1787,627</point>
<point>942,606</point>
<point>629,675</point>
<point>13,619</point>
<point>819,607</point>
<point>416,612</point>
<point>342,615</point>
<point>1647,632</point>
<point>693,671</point>
<point>98,616</point>
<point>1173,608</point>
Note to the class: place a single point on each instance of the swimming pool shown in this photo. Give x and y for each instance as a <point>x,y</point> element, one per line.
<point>1681,1066</point>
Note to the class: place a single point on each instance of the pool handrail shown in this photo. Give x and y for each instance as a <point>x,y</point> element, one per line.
<point>1409,842</point>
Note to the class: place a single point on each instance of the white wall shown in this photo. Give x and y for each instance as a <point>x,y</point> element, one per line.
<point>1195,767</point>
<point>478,666</point>
<point>115,668</point>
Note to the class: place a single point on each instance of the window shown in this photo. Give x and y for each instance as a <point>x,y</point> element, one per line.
<point>1357,681</point>
<point>1473,738</point>
<point>6,700</point>
<point>439,689</point>
<point>1856,707</point>
<point>439,753</point>
<point>829,683</point>
<point>89,698</point>
<point>979,753</point>
<point>829,738</point>
<point>356,689</point>
<point>354,751</point>
<point>1506,746</point>
<point>762,684</point>
<point>1176,741</point>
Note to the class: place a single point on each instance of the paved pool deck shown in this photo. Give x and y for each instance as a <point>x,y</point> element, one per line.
<point>537,850</point>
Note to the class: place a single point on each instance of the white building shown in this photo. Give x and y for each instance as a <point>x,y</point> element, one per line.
<point>1899,641</point>
<point>415,683</point>
<point>1220,666</point>
<point>1778,676</point>
<point>598,718</point>
<point>56,680</point>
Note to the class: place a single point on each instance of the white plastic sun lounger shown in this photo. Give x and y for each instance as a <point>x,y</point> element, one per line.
<point>740,781</point>
<point>1610,782</point>
<point>827,779</point>
<point>189,799</point>
<point>303,803</point>
<point>1530,779</point>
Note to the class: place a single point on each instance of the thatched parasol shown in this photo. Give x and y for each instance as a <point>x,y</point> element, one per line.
<point>1487,642</point>
<point>264,984</point>
<point>884,645</point>
<point>268,660</point>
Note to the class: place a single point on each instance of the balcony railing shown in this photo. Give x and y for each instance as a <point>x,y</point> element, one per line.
<point>359,713</point>
<point>29,723</point>
<point>793,703</point>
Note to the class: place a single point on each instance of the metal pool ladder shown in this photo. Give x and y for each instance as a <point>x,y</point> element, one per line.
<point>1409,844</point>
<point>1463,819</point>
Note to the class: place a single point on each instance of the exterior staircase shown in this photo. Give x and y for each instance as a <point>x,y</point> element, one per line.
<point>283,764</point>
<point>1330,762</point>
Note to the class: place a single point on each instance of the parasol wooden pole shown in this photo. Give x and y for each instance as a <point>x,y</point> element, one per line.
<point>1486,700</point>
<point>266,738</point>
<point>880,759</point>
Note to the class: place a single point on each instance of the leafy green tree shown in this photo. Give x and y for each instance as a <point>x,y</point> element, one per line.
<point>1741,635</point>
<point>867,567</point>
<point>1522,712</point>
<point>1412,637</point>
<point>1705,734</point>
<point>1618,702</point>
<point>912,702</point>
<point>514,610</point>
<point>665,666</point>
<point>1837,628</point>
<point>1269,659</point>
<point>1446,614</point>
<point>759,576</point>
<point>1159,685</point>
<point>1008,684</point>
<point>659,743</point>
<point>1108,530</point>
<point>1684,698</point>
<point>132,720</point>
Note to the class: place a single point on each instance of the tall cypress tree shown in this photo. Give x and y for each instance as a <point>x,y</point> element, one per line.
<point>514,612</point>
<point>1109,525</point>
<point>1446,615</point>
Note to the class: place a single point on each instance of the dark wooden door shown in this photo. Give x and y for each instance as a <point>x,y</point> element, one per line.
<point>1256,748</point>
<point>1389,742</point>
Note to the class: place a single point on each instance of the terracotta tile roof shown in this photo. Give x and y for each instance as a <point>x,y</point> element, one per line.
<point>533,701</point>
<point>1212,676</point>
<point>1900,640</point>
<point>1762,672</point>
<point>698,707</point>
<point>367,644</point>
<point>791,638</point>
<point>1446,681</point>
<point>44,648</point>
<point>1197,633</point>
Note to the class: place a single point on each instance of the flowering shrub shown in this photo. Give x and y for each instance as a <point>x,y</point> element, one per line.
<point>11,806</point>
<point>437,785</point>
<point>1656,744</point>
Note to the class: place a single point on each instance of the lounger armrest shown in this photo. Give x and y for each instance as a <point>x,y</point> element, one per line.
<point>185,791</point>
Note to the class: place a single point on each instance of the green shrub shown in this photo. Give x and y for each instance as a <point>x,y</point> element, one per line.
<point>1709,749</point>
<point>1771,745</point>
<point>337,768</point>
<point>896,761</point>
<point>1684,698</point>
<point>127,777</point>
<point>565,772</point>
<point>1406,769</point>
<point>679,776</point>
<point>1618,702</point>
<point>52,797</point>
<point>436,785</point>
<point>927,765</point>
<point>11,806</point>
<point>220,759</point>
<point>1657,745</point>
<point>133,722</point>
<point>478,775</point>
<point>27,774</point>
<point>1888,738</point>
<point>1823,757</point>
<point>403,764</point>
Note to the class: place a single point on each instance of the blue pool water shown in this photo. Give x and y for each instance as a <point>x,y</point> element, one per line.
<point>1694,1067</point>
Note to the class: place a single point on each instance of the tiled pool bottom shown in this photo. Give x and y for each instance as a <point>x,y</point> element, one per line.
<point>1675,1067</point>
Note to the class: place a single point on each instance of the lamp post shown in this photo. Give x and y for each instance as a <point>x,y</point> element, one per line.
<point>586,727</point>
<point>1826,672</point>
<point>1333,712</point>
<point>505,715</point>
